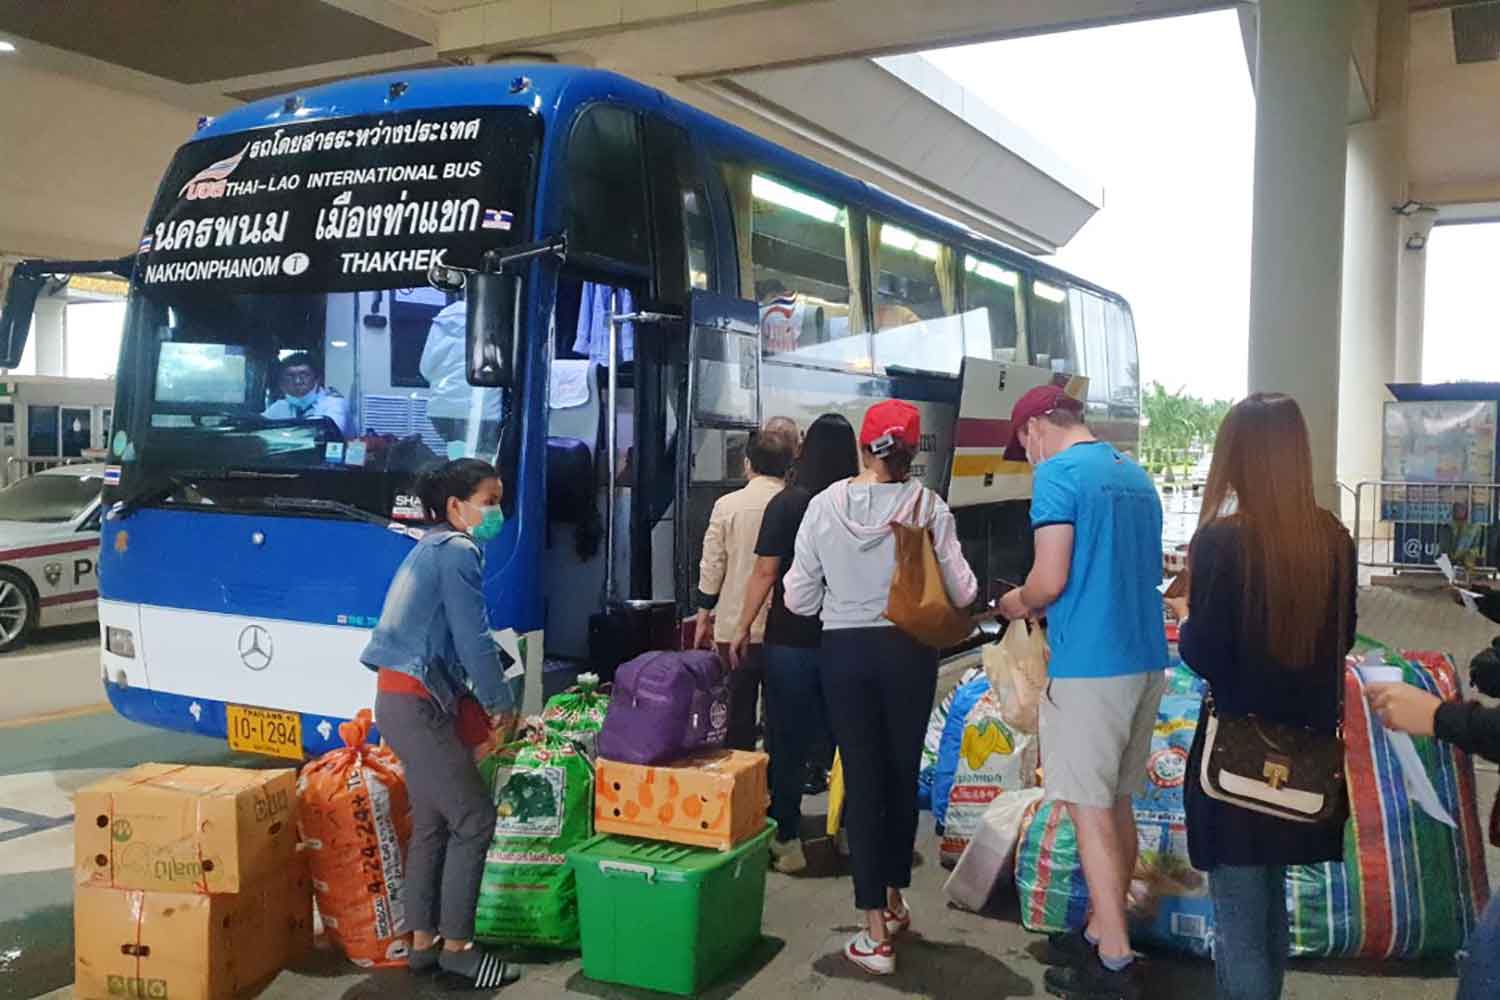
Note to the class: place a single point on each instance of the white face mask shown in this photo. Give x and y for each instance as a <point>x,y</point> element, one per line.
<point>1034,451</point>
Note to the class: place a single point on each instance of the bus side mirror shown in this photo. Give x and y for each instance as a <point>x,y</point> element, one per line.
<point>15,321</point>
<point>492,317</point>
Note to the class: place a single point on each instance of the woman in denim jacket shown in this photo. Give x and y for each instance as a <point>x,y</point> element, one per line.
<point>431,648</point>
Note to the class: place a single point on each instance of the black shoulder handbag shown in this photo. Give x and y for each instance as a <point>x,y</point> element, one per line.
<point>1290,772</point>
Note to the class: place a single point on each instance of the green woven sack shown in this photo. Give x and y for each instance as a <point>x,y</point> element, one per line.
<point>543,786</point>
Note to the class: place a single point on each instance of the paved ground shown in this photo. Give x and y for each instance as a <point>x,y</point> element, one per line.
<point>41,765</point>
<point>951,953</point>
<point>57,671</point>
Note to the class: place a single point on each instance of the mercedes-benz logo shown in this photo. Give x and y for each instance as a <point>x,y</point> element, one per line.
<point>256,648</point>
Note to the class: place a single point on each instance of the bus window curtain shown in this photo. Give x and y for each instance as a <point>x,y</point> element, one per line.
<point>737,178</point>
<point>946,266</point>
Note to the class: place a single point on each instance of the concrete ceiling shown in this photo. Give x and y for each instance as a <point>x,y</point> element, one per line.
<point>194,43</point>
<point>1453,139</point>
<point>206,56</point>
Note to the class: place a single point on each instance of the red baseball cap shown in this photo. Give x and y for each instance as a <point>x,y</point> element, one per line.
<point>1035,403</point>
<point>891,416</point>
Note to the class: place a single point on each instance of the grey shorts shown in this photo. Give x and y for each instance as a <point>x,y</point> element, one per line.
<point>1096,736</point>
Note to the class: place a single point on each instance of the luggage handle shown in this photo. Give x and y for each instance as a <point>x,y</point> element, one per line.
<point>627,868</point>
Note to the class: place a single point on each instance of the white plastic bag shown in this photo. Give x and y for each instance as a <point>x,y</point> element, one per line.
<point>1017,665</point>
<point>991,853</point>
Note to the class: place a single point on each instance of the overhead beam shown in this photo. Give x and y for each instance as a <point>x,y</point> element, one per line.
<point>727,37</point>
<point>397,17</point>
<point>298,76</point>
<point>200,99</point>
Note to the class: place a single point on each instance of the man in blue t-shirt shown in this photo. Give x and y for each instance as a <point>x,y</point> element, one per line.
<point>1097,524</point>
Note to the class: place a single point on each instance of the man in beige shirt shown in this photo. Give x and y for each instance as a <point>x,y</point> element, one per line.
<point>728,558</point>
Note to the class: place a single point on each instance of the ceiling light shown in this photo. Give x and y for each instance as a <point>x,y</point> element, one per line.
<point>990,272</point>
<point>7,46</point>
<point>779,194</point>
<point>1049,292</point>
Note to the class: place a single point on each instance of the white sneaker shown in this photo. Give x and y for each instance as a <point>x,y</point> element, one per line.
<point>787,857</point>
<point>878,958</point>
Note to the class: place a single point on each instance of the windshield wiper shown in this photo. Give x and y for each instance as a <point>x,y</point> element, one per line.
<point>313,505</point>
<point>168,484</point>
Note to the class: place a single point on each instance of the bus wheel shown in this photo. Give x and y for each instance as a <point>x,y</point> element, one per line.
<point>18,610</point>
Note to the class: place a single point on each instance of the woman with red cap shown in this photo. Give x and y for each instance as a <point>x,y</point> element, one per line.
<point>879,683</point>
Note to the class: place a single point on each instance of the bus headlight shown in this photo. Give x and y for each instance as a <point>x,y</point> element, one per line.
<point>119,641</point>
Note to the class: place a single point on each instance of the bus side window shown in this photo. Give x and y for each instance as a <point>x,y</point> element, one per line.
<point>1087,314</point>
<point>1124,364</point>
<point>798,253</point>
<point>684,240</point>
<point>916,291</point>
<point>992,310</point>
<point>699,238</point>
<point>1049,332</point>
<point>607,188</point>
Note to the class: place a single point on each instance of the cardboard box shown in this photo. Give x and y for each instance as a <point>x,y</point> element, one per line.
<point>185,829</point>
<point>716,799</point>
<point>185,945</point>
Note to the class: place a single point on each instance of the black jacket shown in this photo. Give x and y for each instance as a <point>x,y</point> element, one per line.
<point>1245,681</point>
<point>1471,727</point>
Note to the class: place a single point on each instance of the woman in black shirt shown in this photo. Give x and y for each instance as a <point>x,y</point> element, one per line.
<point>1271,594</point>
<point>795,716</point>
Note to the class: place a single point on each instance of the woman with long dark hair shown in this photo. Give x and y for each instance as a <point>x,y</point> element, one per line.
<point>879,682</point>
<point>795,713</point>
<point>431,647</point>
<point>1268,621</point>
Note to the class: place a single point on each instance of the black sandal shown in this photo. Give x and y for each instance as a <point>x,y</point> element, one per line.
<point>478,969</point>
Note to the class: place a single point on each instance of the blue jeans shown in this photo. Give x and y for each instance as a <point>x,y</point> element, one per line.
<point>795,721</point>
<point>1250,931</point>
<point>1479,973</point>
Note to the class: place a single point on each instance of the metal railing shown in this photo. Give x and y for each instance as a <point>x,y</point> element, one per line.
<point>1405,526</point>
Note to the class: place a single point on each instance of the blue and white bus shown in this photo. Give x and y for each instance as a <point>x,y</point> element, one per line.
<point>559,269</point>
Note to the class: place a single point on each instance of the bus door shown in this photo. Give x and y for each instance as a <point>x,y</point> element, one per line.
<point>637,245</point>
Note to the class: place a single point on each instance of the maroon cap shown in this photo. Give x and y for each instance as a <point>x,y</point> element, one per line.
<point>900,420</point>
<point>1035,403</point>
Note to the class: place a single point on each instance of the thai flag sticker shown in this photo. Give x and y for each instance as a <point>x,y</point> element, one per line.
<point>111,475</point>
<point>494,219</point>
<point>145,244</point>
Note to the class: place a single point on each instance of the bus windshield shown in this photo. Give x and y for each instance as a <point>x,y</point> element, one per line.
<point>332,395</point>
<point>282,342</point>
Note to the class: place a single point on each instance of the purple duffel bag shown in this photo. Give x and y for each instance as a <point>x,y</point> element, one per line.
<point>666,703</point>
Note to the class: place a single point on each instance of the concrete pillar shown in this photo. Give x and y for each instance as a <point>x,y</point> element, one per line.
<point>1296,253</point>
<point>1411,294</point>
<point>1375,182</point>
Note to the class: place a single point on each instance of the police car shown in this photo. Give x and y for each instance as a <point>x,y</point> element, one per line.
<point>49,551</point>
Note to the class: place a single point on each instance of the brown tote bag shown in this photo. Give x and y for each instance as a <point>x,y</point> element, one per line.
<point>918,603</point>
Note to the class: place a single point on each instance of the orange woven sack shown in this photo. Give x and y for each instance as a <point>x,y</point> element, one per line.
<point>355,822</point>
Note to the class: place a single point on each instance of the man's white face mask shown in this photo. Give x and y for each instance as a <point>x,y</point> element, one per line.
<point>1033,443</point>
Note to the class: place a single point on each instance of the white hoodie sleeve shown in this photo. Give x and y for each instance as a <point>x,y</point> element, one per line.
<point>958,577</point>
<point>804,581</point>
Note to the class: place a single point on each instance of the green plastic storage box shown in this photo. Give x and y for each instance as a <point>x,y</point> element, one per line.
<point>666,917</point>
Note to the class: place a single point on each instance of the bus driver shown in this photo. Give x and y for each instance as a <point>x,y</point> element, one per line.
<point>303,395</point>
